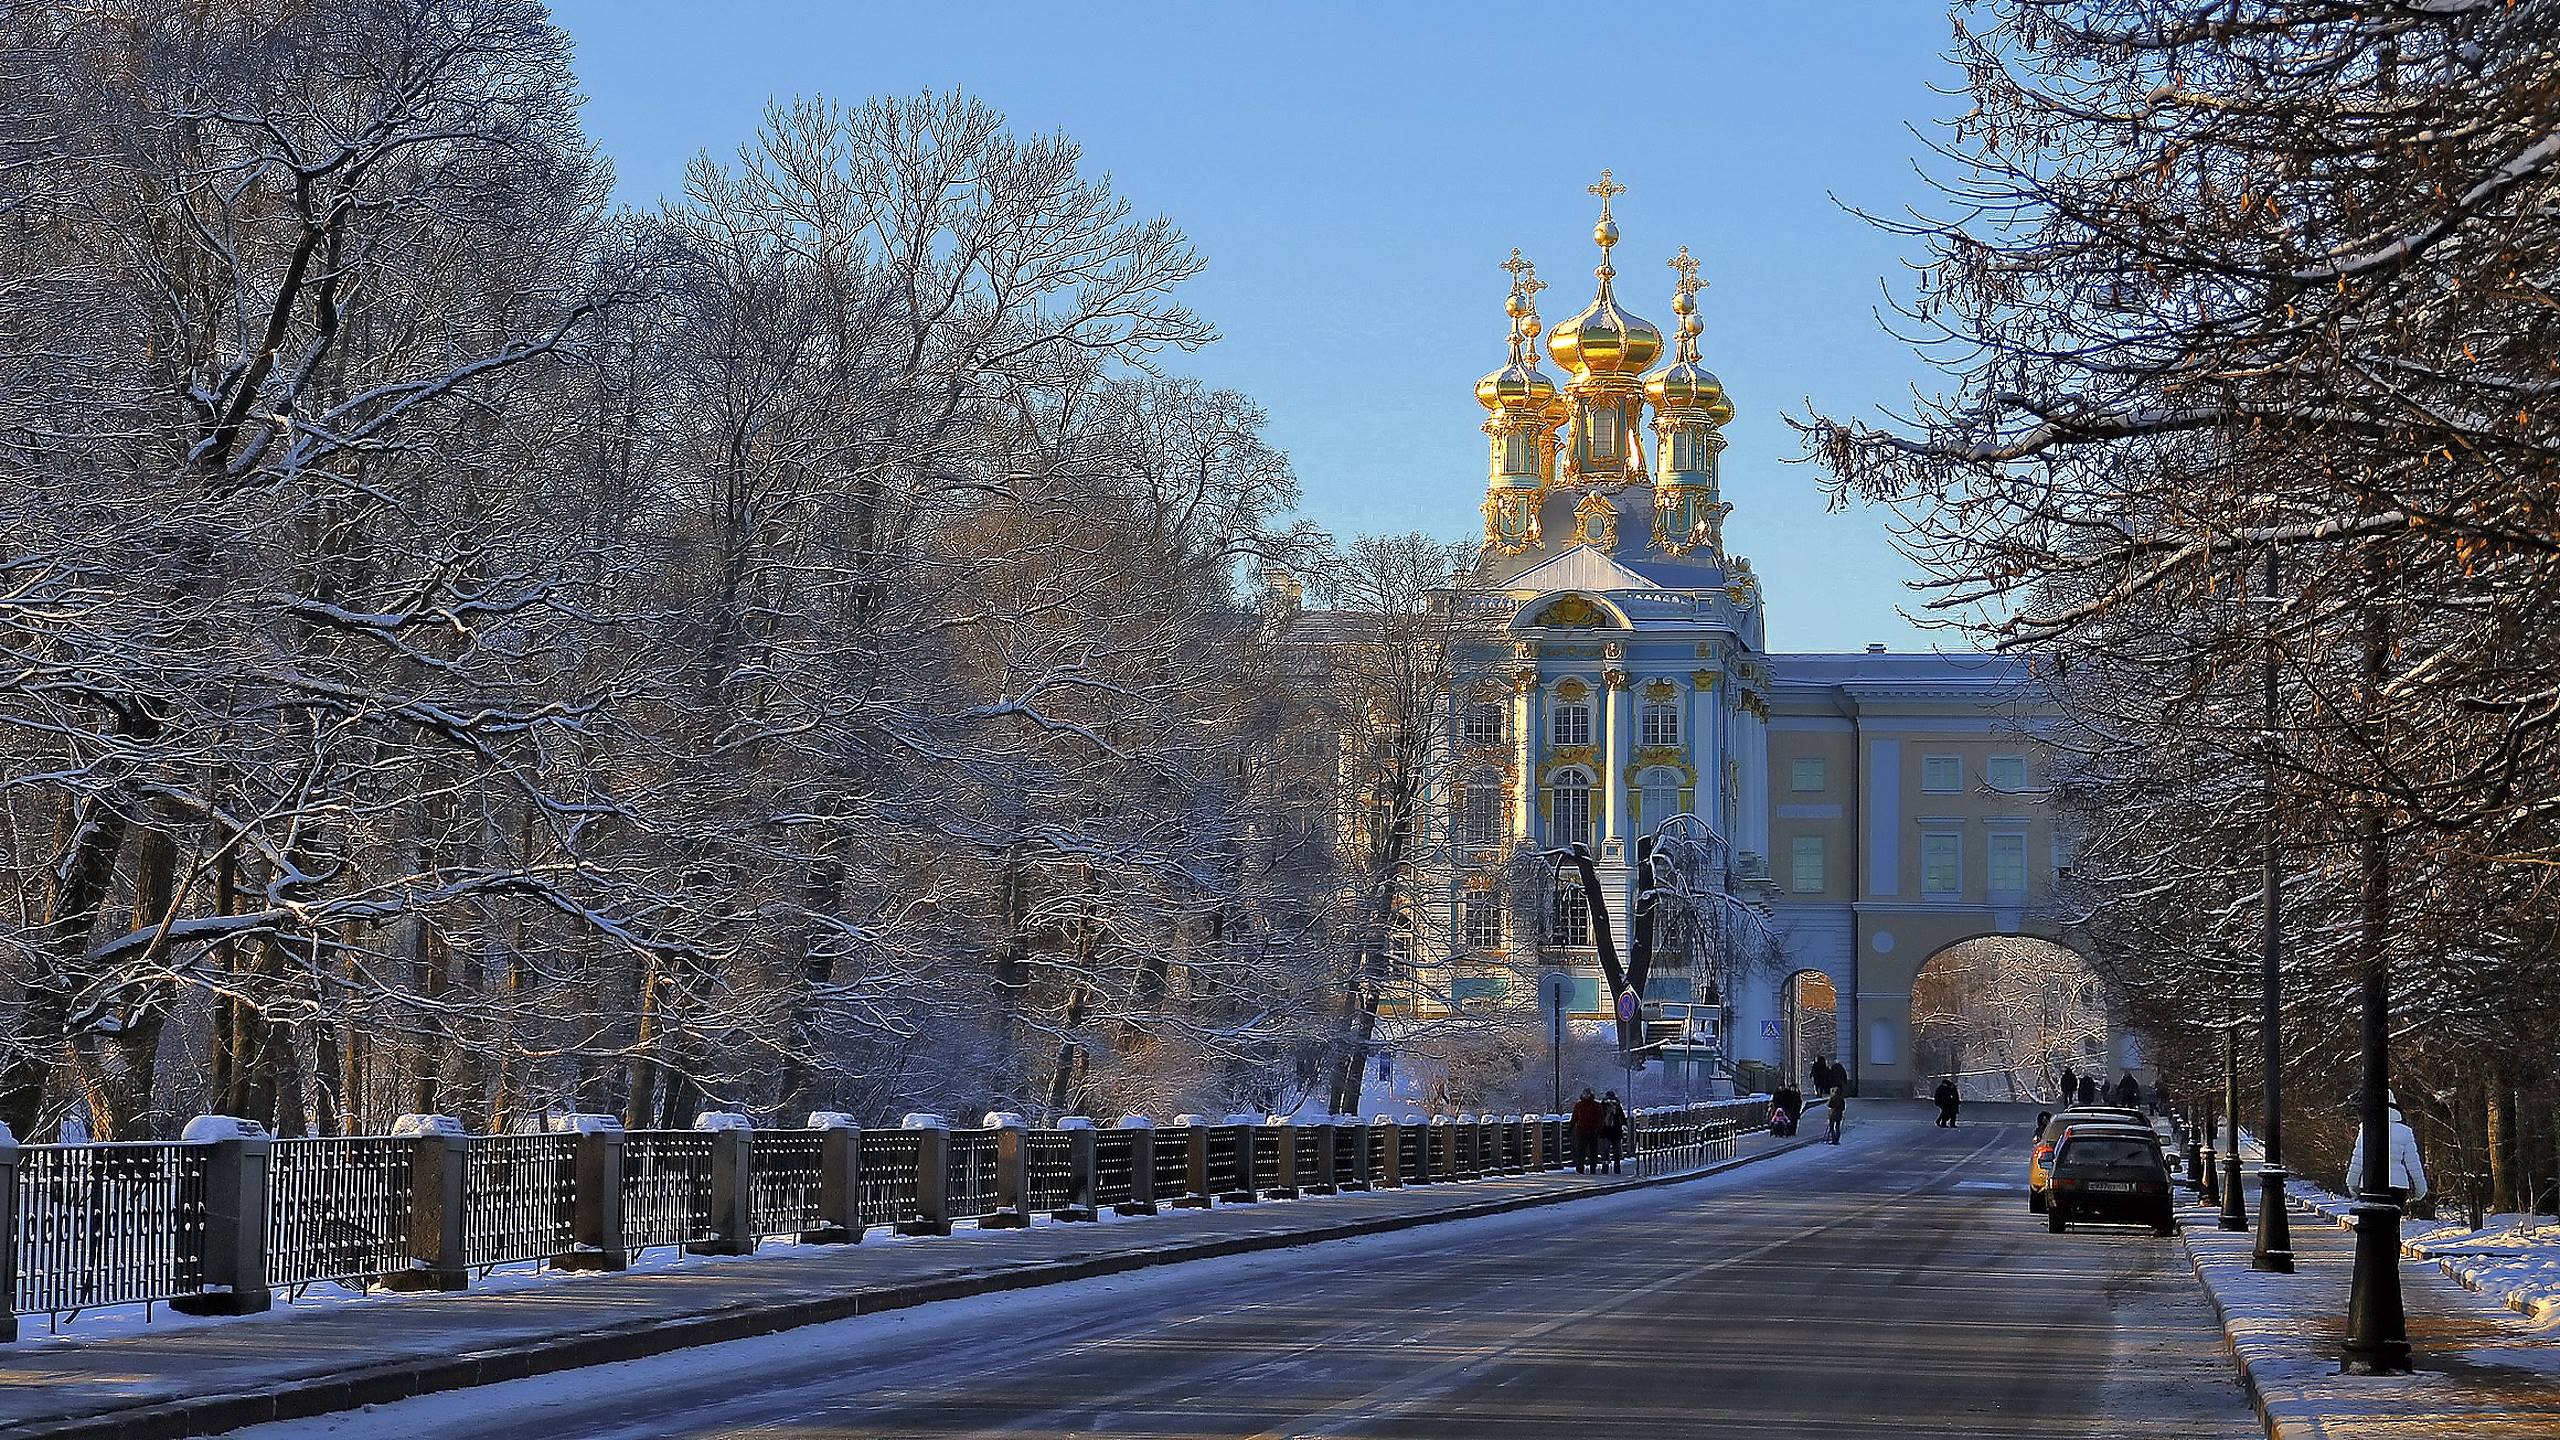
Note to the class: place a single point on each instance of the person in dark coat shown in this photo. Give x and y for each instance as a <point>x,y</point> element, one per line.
<point>1790,1104</point>
<point>1839,1109</point>
<point>2070,1085</point>
<point>1586,1134</point>
<point>2088,1089</point>
<point>1613,1134</point>
<point>2129,1092</point>
<point>1948,1098</point>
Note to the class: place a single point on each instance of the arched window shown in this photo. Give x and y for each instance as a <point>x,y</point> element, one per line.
<point>1661,722</point>
<point>1571,724</point>
<point>1569,809</point>
<point>1569,917</point>
<point>1480,810</point>
<point>1518,453</point>
<point>1660,791</point>
<point>1483,724</point>
<point>1604,432</point>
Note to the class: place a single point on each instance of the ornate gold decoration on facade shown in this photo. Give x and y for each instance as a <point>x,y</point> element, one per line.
<point>1526,408</point>
<point>1569,757</point>
<point>1595,522</point>
<point>1661,757</point>
<point>1524,681</point>
<point>1613,651</point>
<point>1573,612</point>
<point>1614,679</point>
<point>1689,410</point>
<point>1704,679</point>
<point>1661,690</point>
<point>1753,701</point>
<point>1569,688</point>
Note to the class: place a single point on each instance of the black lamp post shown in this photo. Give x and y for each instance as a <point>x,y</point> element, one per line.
<point>2377,1328</point>
<point>2274,1250</point>
<point>2235,1207</point>
<point>2209,1189</point>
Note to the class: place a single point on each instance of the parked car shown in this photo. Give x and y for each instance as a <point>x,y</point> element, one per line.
<point>2110,1174</point>
<point>2040,1159</point>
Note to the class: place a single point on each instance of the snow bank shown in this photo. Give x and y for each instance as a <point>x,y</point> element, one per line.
<point>2515,1258</point>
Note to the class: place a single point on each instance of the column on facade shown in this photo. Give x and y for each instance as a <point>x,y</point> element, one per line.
<point>1752,746</point>
<point>1527,730</point>
<point>1706,751</point>
<point>1616,748</point>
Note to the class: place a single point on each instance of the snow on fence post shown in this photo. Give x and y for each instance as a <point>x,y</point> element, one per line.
<point>235,1206</point>
<point>1533,1140</point>
<point>1322,1182</point>
<point>439,1168</point>
<point>933,1175</point>
<point>1080,1160</point>
<point>596,1185</point>
<point>1013,1172</point>
<point>1240,1128</point>
<point>733,1179</point>
<point>839,1179</point>
<point>9,1222</point>
<point>1284,1185</point>
<point>1195,1162</point>
<point>1142,1166</point>
<point>1390,1174</point>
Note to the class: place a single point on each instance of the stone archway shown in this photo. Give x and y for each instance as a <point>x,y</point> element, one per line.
<point>2005,1014</point>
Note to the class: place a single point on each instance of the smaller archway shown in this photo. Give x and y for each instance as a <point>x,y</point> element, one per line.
<point>1808,1022</point>
<point>2006,1015</point>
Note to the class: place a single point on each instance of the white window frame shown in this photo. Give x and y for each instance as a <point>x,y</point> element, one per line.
<point>2015,842</point>
<point>1581,710</point>
<point>1476,734</point>
<point>1820,771</point>
<point>1480,824</point>
<point>1559,834</point>
<point>1804,879</point>
<point>1659,724</point>
<point>1932,766</point>
<point>1604,431</point>
<point>1566,899</point>
<point>1651,783</point>
<point>1954,844</point>
<point>1480,921</point>
<point>1992,767</point>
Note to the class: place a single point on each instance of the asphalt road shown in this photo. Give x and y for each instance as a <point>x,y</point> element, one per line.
<point>1895,1286</point>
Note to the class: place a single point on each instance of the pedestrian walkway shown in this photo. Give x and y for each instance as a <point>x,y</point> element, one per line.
<point>2483,1370</point>
<point>201,1378</point>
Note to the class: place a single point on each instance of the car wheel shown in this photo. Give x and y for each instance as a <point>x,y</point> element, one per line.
<point>2165,1227</point>
<point>2035,1202</point>
<point>2053,1218</point>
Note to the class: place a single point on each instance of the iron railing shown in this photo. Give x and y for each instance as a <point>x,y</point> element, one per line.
<point>969,1188</point>
<point>1115,1167</point>
<point>109,1224</point>
<point>1173,1165</point>
<point>338,1208</point>
<point>890,1162</point>
<point>666,1187</point>
<point>786,1178</point>
<point>1048,1157</point>
<point>519,1199</point>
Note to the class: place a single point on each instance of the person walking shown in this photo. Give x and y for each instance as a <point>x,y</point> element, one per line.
<point>1948,1098</point>
<point>2070,1086</point>
<point>2129,1092</point>
<point>2408,1177</point>
<point>1586,1133</point>
<point>1821,1075</point>
<point>2088,1089</point>
<point>1839,1109</point>
<point>1613,1133</point>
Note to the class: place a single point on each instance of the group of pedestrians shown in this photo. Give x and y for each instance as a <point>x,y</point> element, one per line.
<point>2078,1089</point>
<point>1599,1135</point>
<point>1831,1082</point>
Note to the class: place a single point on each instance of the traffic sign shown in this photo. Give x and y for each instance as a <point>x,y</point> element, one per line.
<point>1769,1030</point>
<point>1555,993</point>
<point>1627,1005</point>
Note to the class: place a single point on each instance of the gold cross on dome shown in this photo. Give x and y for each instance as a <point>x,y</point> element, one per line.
<point>1607,190</point>
<point>1687,265</point>
<point>1524,275</point>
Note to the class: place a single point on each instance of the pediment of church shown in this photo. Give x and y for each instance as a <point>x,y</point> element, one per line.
<point>1587,567</point>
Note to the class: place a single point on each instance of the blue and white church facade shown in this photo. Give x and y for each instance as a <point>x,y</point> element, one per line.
<point>1862,811</point>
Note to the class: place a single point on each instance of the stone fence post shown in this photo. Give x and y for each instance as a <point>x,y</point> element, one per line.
<point>600,1240</point>
<point>1013,1172</point>
<point>933,1175</point>
<point>439,1167</point>
<point>839,1179</point>
<point>9,1222</point>
<point>1195,1169</point>
<point>733,1159</point>
<point>1080,1158</point>
<point>1142,1166</point>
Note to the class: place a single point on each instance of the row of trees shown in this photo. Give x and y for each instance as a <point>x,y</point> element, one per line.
<point>2247,310</point>
<point>468,648</point>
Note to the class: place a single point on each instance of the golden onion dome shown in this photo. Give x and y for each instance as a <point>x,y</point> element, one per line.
<point>1604,339</point>
<point>1684,384</point>
<point>1520,384</point>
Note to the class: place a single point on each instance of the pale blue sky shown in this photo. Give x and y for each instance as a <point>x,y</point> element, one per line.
<point>1355,174</point>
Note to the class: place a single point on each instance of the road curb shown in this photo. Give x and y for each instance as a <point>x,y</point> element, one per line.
<point>409,1378</point>
<point>2230,1339</point>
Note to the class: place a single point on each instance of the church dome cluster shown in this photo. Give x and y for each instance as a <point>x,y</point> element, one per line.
<point>1587,435</point>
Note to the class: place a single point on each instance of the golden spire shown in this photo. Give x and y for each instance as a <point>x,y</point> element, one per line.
<point>1604,232</point>
<point>1684,390</point>
<point>1604,339</point>
<point>1518,384</point>
<point>1684,302</point>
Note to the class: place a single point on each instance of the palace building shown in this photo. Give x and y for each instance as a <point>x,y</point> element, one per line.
<point>1857,814</point>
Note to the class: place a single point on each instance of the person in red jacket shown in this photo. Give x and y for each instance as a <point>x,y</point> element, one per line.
<point>1586,1134</point>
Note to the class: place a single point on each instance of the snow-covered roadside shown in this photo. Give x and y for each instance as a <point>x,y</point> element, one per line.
<point>2515,1258</point>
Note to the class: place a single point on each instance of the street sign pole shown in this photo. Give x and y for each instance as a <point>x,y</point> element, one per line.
<point>1558,994</point>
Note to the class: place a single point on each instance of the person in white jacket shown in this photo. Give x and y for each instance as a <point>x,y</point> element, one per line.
<point>2408,1177</point>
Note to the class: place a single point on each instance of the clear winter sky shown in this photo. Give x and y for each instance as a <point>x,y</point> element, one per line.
<point>1355,174</point>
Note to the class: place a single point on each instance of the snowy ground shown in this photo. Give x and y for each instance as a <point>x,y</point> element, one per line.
<point>2515,1258</point>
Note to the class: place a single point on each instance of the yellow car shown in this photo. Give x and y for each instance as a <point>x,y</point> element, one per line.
<point>2049,1139</point>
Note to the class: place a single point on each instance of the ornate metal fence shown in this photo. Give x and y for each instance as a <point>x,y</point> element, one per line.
<point>109,1224</point>
<point>1173,1165</point>
<point>1412,1148</point>
<point>1226,1166</point>
<point>783,1192</point>
<point>1378,1143</point>
<point>1115,1167</point>
<point>1266,1158</point>
<point>970,1184</point>
<point>338,1208</point>
<point>1050,1172</point>
<point>666,1187</point>
<point>519,1198</point>
<point>1347,1153</point>
<point>890,1161</point>
<point>1309,1156</point>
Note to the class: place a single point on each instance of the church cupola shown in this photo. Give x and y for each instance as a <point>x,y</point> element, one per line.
<point>1605,351</point>
<point>1690,410</point>
<point>1526,411</point>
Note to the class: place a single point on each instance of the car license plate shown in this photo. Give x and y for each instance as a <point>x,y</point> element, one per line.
<point>2113,1187</point>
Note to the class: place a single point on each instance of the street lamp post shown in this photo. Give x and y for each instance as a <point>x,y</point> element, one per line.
<point>2235,1205</point>
<point>2274,1251</point>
